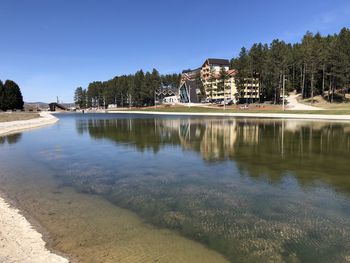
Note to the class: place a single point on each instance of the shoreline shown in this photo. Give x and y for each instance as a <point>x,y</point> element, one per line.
<point>24,237</point>
<point>295,116</point>
<point>10,127</point>
<point>19,239</point>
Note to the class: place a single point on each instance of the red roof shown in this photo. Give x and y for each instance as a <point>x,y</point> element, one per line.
<point>231,72</point>
<point>217,62</point>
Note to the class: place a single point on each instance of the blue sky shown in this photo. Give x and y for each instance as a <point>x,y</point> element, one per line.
<point>50,47</point>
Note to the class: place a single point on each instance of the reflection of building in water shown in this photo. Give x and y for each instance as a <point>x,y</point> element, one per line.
<point>297,125</point>
<point>219,140</point>
<point>249,133</point>
<point>222,139</point>
<point>269,148</point>
<point>214,139</point>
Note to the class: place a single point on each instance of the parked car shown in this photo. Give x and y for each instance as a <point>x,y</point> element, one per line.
<point>229,102</point>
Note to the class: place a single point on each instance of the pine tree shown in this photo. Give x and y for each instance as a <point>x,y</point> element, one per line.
<point>11,97</point>
<point>222,83</point>
<point>342,60</point>
<point>2,96</point>
<point>242,67</point>
<point>257,59</point>
<point>155,83</point>
<point>79,99</point>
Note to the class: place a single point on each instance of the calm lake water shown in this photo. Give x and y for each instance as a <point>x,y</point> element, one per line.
<point>252,190</point>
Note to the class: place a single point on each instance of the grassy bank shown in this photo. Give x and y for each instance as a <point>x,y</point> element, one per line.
<point>235,110</point>
<point>324,104</point>
<point>16,116</point>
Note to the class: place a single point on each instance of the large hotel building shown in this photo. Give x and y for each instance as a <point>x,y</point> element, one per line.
<point>208,76</point>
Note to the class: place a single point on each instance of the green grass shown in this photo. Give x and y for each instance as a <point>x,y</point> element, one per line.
<point>213,110</point>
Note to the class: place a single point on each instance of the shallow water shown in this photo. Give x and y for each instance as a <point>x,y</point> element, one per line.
<point>252,190</point>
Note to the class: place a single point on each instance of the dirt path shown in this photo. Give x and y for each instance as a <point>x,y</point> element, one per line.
<point>293,104</point>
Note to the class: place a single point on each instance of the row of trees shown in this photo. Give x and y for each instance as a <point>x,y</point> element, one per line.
<point>319,65</point>
<point>128,90</point>
<point>10,96</point>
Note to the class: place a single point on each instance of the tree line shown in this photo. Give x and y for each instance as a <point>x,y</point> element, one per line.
<point>10,96</point>
<point>318,65</point>
<point>136,90</point>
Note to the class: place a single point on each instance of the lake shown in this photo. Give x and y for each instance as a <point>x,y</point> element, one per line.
<point>144,188</point>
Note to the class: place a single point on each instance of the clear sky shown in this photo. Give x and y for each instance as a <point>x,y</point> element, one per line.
<point>50,47</point>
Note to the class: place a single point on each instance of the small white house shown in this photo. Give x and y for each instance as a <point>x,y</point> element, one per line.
<point>112,106</point>
<point>171,99</point>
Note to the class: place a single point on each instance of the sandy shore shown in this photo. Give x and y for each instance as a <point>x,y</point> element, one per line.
<point>18,126</point>
<point>19,241</point>
<point>247,115</point>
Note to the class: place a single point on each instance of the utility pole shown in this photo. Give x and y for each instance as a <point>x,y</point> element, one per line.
<point>282,144</point>
<point>283,91</point>
<point>155,103</point>
<point>224,94</point>
<point>189,95</point>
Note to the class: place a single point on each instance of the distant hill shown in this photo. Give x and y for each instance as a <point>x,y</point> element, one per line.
<point>44,105</point>
<point>68,105</point>
<point>41,105</point>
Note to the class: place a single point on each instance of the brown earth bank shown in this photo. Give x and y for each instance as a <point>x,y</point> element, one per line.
<point>239,109</point>
<point>17,116</point>
<point>321,102</point>
<point>15,126</point>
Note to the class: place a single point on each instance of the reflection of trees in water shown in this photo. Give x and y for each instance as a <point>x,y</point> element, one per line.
<point>246,220</point>
<point>312,150</point>
<point>142,133</point>
<point>211,138</point>
<point>11,139</point>
<point>219,136</point>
